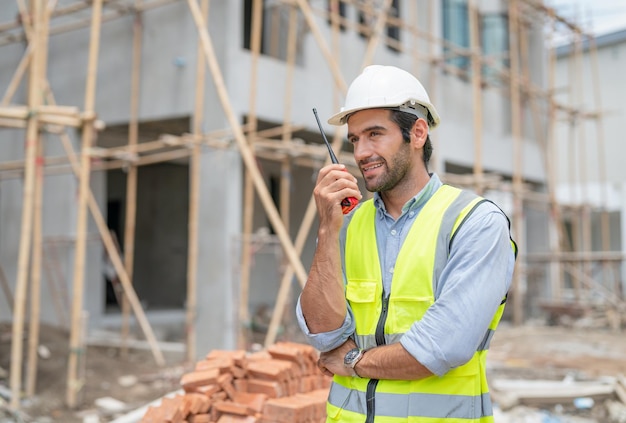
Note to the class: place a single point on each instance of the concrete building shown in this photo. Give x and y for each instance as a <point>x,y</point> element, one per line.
<point>439,56</point>
<point>590,174</point>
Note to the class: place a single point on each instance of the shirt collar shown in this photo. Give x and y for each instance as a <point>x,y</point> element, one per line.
<point>414,203</point>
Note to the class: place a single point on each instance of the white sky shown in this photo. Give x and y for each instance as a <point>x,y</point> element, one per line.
<point>596,16</point>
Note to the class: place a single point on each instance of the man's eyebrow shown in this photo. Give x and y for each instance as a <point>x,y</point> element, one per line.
<point>369,128</point>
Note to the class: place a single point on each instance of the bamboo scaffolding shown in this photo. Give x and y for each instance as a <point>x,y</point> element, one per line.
<point>26,232</point>
<point>194,198</point>
<point>37,249</point>
<point>248,196</point>
<point>131,174</point>
<point>74,384</point>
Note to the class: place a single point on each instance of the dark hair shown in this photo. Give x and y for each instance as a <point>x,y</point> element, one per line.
<point>406,121</point>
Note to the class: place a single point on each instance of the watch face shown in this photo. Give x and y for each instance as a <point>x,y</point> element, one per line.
<point>351,355</point>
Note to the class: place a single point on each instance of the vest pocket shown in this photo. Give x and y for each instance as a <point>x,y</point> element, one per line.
<point>406,310</point>
<point>364,296</point>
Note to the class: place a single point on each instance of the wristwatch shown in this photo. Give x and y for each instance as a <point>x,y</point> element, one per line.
<point>351,358</point>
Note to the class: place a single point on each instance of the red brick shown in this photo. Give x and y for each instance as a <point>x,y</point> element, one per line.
<point>199,418</point>
<point>254,402</point>
<point>272,369</point>
<point>190,381</point>
<point>238,356</point>
<point>198,403</point>
<point>223,364</point>
<point>225,383</point>
<point>270,388</point>
<point>289,409</point>
<point>172,410</point>
<point>226,407</point>
<point>207,390</point>
<point>318,399</point>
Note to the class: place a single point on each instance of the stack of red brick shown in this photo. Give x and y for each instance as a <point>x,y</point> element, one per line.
<point>279,385</point>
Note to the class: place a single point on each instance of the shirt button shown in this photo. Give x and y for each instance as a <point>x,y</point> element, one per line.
<point>391,270</point>
<point>393,232</point>
<point>411,214</point>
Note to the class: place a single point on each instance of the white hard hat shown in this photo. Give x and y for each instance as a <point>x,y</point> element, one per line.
<point>387,87</point>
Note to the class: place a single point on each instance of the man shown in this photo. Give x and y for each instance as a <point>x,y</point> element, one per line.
<point>406,291</point>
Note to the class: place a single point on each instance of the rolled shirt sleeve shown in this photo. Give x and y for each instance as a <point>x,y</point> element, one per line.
<point>471,288</point>
<point>326,341</point>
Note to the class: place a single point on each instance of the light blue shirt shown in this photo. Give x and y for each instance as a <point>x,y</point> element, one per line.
<point>471,287</point>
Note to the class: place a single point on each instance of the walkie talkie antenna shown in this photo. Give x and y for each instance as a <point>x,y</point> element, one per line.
<point>333,158</point>
<point>348,203</point>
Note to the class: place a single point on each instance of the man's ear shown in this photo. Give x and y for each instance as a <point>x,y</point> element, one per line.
<point>419,133</point>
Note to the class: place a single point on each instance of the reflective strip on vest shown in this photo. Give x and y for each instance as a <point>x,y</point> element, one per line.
<point>412,404</point>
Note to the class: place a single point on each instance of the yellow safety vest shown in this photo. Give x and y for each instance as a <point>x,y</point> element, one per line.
<point>461,395</point>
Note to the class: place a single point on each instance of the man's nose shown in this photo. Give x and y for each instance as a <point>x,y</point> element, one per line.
<point>362,150</point>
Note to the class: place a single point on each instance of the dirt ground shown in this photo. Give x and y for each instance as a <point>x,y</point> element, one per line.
<point>528,352</point>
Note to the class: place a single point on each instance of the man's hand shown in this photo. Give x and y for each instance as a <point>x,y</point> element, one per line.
<point>331,362</point>
<point>334,184</point>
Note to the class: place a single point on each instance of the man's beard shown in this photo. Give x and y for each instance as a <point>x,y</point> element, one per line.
<point>400,165</point>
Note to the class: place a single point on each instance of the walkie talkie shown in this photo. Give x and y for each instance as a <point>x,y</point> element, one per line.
<point>348,203</point>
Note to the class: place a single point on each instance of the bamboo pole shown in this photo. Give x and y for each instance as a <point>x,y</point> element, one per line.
<point>248,200</point>
<point>35,276</point>
<point>37,249</point>
<point>194,198</point>
<point>73,383</point>
<point>26,230</point>
<point>518,287</point>
<point>131,175</point>
<point>244,149</point>
<point>477,98</point>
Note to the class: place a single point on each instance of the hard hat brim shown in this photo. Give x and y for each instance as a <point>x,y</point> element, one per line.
<point>341,118</point>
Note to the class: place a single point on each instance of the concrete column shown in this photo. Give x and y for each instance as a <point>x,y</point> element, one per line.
<point>219,224</point>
